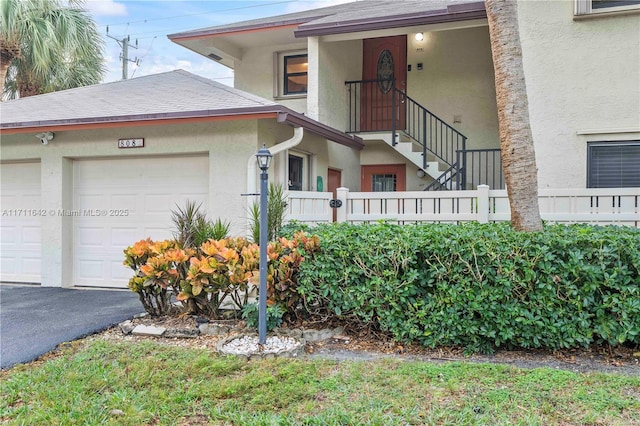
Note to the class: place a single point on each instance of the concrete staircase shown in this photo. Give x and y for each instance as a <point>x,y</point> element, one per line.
<point>410,150</point>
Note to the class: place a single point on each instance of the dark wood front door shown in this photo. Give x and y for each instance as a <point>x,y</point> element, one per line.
<point>384,61</point>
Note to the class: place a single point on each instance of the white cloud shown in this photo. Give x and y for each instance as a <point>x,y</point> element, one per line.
<point>106,8</point>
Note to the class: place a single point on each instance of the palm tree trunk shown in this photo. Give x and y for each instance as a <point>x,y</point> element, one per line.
<point>516,140</point>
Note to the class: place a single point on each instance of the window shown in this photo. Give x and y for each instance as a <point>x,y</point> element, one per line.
<point>613,164</point>
<point>383,183</point>
<point>295,74</point>
<point>299,170</point>
<point>292,74</point>
<point>588,7</point>
<point>296,173</point>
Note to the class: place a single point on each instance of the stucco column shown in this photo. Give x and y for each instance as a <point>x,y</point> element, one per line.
<point>56,227</point>
<point>313,93</point>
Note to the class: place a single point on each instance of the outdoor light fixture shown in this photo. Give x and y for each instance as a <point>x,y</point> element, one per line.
<point>263,156</point>
<point>419,36</point>
<point>45,137</point>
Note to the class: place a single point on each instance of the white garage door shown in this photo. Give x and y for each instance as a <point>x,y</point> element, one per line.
<point>121,201</point>
<point>20,222</point>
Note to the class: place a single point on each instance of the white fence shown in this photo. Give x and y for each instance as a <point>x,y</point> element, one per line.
<point>596,206</point>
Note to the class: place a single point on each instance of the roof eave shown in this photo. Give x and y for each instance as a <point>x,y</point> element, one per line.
<point>282,114</point>
<point>141,119</point>
<point>299,120</point>
<point>205,33</point>
<point>469,12</point>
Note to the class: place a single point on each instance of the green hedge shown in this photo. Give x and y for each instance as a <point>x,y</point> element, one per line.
<point>480,286</point>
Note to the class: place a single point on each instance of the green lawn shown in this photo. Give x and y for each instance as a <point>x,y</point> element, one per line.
<point>156,384</point>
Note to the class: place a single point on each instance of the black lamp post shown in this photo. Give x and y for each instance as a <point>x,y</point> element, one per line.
<point>263,157</point>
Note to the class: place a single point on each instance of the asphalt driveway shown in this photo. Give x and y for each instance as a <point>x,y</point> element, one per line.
<point>34,319</point>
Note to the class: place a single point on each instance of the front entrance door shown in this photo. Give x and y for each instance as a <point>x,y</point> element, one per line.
<point>334,181</point>
<point>384,62</point>
<point>384,178</point>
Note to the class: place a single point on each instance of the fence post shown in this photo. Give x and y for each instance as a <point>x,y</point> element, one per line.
<point>341,213</point>
<point>483,204</point>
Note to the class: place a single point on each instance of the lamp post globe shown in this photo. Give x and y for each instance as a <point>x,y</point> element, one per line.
<point>263,156</point>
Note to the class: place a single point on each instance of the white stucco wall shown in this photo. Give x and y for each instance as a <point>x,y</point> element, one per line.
<point>583,84</point>
<point>258,70</point>
<point>347,161</point>
<point>333,64</point>
<point>457,79</point>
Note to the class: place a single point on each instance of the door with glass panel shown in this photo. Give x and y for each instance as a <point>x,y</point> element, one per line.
<point>383,178</point>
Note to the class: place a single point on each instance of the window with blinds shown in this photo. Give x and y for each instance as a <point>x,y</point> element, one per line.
<point>595,7</point>
<point>613,164</point>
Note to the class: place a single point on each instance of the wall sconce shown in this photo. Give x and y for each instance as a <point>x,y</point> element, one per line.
<point>419,36</point>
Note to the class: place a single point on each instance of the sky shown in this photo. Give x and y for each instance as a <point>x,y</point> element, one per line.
<point>147,23</point>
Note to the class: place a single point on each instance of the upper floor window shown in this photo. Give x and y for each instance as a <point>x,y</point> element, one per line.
<point>587,7</point>
<point>295,74</point>
<point>292,74</point>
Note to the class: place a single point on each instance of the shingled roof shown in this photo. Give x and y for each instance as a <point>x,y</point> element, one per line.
<point>174,93</point>
<point>150,99</point>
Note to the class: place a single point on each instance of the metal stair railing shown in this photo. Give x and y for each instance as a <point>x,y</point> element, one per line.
<point>443,181</point>
<point>378,105</point>
<point>436,137</point>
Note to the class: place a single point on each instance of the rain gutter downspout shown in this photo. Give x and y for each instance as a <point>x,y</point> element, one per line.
<point>252,165</point>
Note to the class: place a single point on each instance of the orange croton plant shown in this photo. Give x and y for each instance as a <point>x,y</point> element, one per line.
<point>218,271</point>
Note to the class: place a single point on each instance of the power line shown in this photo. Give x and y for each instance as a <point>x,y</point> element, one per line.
<point>202,13</point>
<point>143,56</point>
<point>124,55</point>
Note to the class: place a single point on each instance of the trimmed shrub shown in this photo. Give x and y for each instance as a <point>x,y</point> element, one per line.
<point>480,286</point>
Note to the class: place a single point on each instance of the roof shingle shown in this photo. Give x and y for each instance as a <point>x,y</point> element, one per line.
<point>172,93</point>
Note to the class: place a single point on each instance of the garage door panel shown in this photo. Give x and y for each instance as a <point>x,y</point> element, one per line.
<point>90,202</point>
<point>124,201</point>
<point>8,264</point>
<point>91,237</point>
<point>31,236</point>
<point>118,272</point>
<point>146,189</point>
<point>158,203</point>
<point>8,235</point>
<point>20,241</point>
<point>163,233</point>
<point>31,265</point>
<point>121,236</point>
<point>90,269</point>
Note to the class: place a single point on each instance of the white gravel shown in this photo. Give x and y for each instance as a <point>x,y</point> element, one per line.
<point>249,345</point>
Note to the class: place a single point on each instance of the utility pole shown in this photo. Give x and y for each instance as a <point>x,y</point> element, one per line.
<point>124,55</point>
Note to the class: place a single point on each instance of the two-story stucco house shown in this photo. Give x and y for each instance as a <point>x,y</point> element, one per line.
<point>415,80</point>
<point>372,95</point>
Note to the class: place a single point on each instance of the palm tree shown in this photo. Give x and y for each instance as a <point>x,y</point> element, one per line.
<point>46,46</point>
<point>516,140</point>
